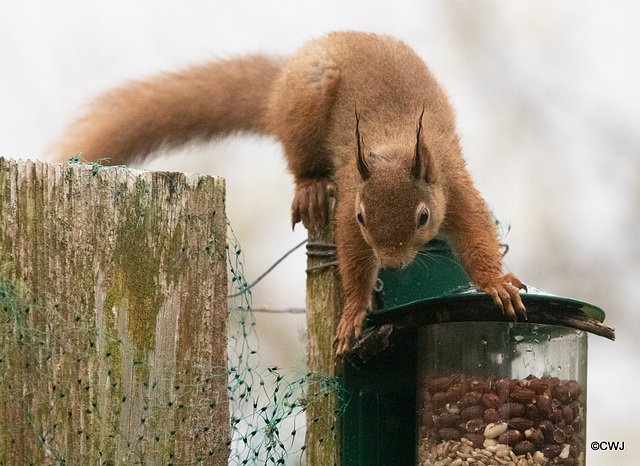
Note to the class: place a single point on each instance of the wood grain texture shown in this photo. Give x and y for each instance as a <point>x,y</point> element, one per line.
<point>113,334</point>
<point>324,306</point>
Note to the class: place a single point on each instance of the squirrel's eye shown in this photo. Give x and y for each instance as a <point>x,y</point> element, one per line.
<point>360,218</point>
<point>423,218</point>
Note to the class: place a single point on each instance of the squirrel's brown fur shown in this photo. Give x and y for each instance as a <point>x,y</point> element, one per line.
<point>359,113</point>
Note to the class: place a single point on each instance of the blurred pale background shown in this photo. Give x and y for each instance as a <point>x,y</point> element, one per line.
<point>548,110</point>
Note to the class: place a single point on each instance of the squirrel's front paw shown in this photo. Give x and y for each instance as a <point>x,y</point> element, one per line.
<point>310,201</point>
<point>505,292</point>
<point>350,326</point>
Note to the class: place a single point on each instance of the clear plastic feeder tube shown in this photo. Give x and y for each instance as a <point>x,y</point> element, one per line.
<point>501,393</point>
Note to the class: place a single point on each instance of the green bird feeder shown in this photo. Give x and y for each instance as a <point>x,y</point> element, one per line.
<point>441,375</point>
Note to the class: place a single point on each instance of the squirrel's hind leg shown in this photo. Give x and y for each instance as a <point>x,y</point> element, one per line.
<point>300,109</point>
<point>310,201</point>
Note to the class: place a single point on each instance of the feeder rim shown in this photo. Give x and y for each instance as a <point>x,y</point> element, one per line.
<point>533,295</point>
<point>466,304</point>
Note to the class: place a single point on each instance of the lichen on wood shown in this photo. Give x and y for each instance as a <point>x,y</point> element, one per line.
<point>113,329</point>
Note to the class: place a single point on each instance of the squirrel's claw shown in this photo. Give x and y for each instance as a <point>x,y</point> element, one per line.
<point>350,326</point>
<point>505,292</point>
<point>310,201</point>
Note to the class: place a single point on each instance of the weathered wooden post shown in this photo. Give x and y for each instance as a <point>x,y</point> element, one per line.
<point>113,316</point>
<point>324,307</point>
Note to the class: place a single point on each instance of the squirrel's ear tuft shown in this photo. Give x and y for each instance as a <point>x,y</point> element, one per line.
<point>422,168</point>
<point>363,166</point>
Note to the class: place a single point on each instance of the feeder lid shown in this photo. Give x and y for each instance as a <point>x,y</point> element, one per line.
<point>436,289</point>
<point>532,296</point>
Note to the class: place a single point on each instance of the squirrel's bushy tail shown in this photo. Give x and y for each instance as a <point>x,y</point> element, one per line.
<point>200,102</point>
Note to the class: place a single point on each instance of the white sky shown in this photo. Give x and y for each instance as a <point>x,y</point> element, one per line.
<point>549,114</point>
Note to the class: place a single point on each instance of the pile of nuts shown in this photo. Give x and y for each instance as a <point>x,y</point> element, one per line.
<point>479,420</point>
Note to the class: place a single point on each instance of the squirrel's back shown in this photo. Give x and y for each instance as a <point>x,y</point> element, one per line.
<point>307,101</point>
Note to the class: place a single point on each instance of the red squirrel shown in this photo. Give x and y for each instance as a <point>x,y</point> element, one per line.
<point>357,113</point>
